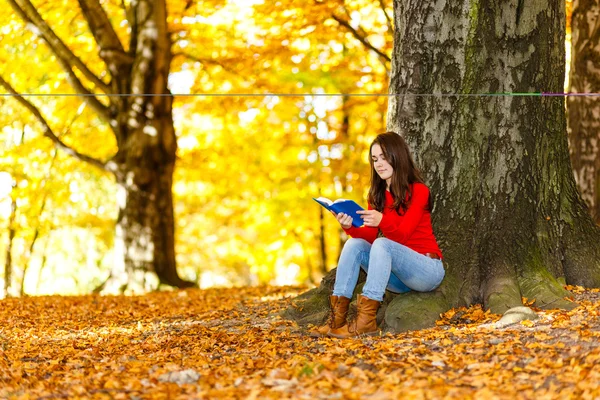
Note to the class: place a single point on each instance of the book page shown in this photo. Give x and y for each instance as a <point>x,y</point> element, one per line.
<point>324,200</point>
<point>339,200</point>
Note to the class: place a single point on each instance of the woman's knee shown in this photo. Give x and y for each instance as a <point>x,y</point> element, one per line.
<point>381,244</point>
<point>355,242</point>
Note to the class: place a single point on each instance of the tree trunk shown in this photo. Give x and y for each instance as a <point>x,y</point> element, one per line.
<point>8,265</point>
<point>139,112</point>
<point>145,239</point>
<point>322,243</point>
<point>508,216</point>
<point>584,112</point>
<point>43,262</point>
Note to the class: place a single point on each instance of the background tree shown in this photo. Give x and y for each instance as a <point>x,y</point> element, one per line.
<point>127,88</point>
<point>508,216</point>
<point>584,111</point>
<point>247,165</point>
<point>262,158</point>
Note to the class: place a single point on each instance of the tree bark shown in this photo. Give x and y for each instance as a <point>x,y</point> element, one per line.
<point>584,112</point>
<point>8,265</point>
<point>508,216</point>
<point>140,116</point>
<point>143,125</point>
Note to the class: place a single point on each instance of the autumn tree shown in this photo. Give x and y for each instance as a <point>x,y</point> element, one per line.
<point>290,146</point>
<point>336,48</point>
<point>129,93</point>
<point>584,111</point>
<point>508,216</point>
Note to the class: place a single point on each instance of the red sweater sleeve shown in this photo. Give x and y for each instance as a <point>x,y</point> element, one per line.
<point>400,228</point>
<point>367,233</point>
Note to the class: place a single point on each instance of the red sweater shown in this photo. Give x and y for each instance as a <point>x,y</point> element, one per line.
<point>412,228</point>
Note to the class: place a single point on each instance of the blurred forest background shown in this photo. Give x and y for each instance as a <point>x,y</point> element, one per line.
<point>247,165</point>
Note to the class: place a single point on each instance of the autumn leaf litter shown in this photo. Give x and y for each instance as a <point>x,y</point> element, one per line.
<point>232,343</point>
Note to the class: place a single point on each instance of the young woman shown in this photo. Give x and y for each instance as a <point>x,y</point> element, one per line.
<point>395,246</point>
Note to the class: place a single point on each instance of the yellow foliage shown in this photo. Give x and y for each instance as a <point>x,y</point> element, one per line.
<point>248,165</point>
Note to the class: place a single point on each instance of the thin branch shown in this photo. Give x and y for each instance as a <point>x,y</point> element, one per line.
<point>125,11</point>
<point>111,48</point>
<point>48,131</point>
<point>64,56</point>
<point>88,96</point>
<point>361,38</point>
<point>205,61</point>
<point>30,15</point>
<point>387,16</point>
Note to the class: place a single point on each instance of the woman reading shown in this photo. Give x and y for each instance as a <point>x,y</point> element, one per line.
<point>395,246</point>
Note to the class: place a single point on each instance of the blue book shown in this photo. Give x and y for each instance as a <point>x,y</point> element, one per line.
<point>345,206</point>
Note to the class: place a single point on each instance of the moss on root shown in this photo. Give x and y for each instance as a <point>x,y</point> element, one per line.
<point>309,308</point>
<point>312,307</point>
<point>504,295</point>
<point>414,311</point>
<point>546,290</point>
<point>538,283</point>
<point>398,312</point>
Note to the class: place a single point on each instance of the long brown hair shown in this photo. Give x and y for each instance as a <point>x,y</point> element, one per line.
<point>405,173</point>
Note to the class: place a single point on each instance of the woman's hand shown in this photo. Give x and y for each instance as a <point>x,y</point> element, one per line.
<point>344,219</point>
<point>371,217</point>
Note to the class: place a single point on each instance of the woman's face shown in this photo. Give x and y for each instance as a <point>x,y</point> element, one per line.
<point>382,167</point>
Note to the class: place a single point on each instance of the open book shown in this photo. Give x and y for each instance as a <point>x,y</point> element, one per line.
<point>342,206</point>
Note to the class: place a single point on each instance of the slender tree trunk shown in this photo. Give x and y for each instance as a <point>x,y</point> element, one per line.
<point>344,135</point>
<point>322,243</point>
<point>508,216</point>
<point>584,112</point>
<point>11,236</point>
<point>42,262</point>
<point>27,260</point>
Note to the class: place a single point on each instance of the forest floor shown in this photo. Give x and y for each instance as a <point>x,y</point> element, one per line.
<point>232,343</point>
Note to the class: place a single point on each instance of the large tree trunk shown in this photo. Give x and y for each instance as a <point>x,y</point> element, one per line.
<point>145,240</point>
<point>584,112</point>
<point>139,112</point>
<point>507,216</point>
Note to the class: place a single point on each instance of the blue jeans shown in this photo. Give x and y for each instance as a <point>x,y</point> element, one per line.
<point>388,264</point>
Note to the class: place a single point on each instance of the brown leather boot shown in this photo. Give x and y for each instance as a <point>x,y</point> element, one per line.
<point>365,323</point>
<point>337,316</point>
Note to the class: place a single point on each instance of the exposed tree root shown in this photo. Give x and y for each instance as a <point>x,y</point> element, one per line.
<point>547,292</point>
<point>501,294</point>
<point>414,310</point>
<point>311,308</point>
